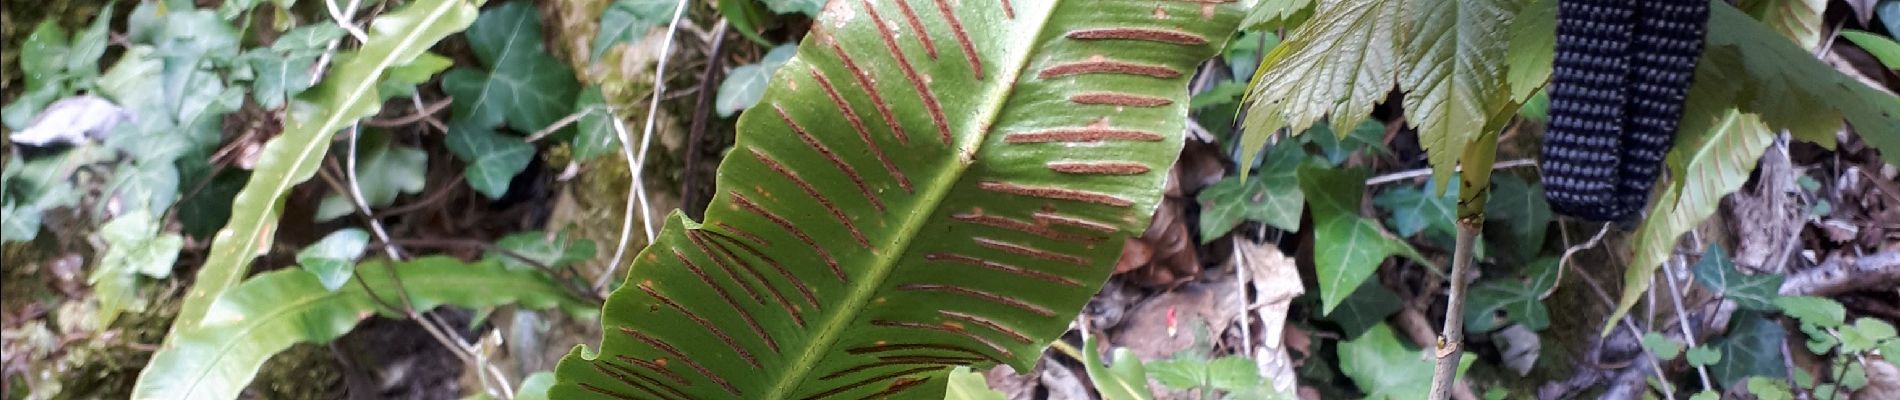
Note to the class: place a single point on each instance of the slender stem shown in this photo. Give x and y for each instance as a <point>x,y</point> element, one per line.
<point>1682,317</point>
<point>636,190</point>
<point>1451,342</point>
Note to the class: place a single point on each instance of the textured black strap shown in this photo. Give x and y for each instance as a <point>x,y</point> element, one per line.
<point>1667,44</point>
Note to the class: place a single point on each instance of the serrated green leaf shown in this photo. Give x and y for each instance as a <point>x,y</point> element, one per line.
<point>1533,46</point>
<point>1365,307</point>
<point>962,191</point>
<point>746,84</point>
<point>1348,247</point>
<point>493,158</point>
<point>1883,48</point>
<point>348,93</point>
<point>1386,369</point>
<point>333,259</point>
<point>1270,15</point>
<point>384,170</point>
<point>275,310</point>
<point>969,385</point>
<point>1661,346</point>
<point>1338,65</point>
<point>594,134</point>
<point>1702,356</point>
<point>1717,272</point>
<point>523,86</point>
<point>1273,197</point>
<point>1519,299</point>
<point>1799,20</point>
<point>1412,209</point>
<point>626,21</point>
<point>1122,378</point>
<point>1720,159</point>
<point>1453,74</point>
<point>1752,347</point>
<point>1820,311</point>
<point>554,251</point>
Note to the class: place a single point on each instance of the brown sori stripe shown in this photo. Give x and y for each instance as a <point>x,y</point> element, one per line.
<point>1056,193</point>
<point>963,38</point>
<point>699,242</point>
<point>885,362</point>
<point>727,253</point>
<point>870,89</point>
<point>744,314</point>
<point>747,204</point>
<point>918,25</point>
<point>981,295</point>
<point>849,172</point>
<point>890,347</point>
<point>858,125</point>
<point>1144,34</point>
<point>1099,65</point>
<point>823,201</point>
<point>987,323</point>
<point>1052,218</point>
<point>1025,272</point>
<point>1099,167</point>
<point>676,353</point>
<point>622,373</point>
<point>1082,134</point>
<point>867,381</point>
<point>1024,227</point>
<point>703,323</point>
<point>656,368</point>
<point>954,330</point>
<point>897,386</point>
<point>916,82</point>
<point>810,297</point>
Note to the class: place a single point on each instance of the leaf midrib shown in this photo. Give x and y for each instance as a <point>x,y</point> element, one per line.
<point>929,199</point>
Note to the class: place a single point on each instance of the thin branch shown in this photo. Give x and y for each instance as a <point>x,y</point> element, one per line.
<point>634,164</point>
<point>696,133</point>
<point>1564,262</point>
<point>423,114</point>
<point>1682,318</point>
<point>1421,172</point>
<point>1451,341</point>
<point>560,123</point>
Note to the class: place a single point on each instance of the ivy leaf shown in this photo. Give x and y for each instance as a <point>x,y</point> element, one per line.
<point>333,258</point>
<point>1385,369</point>
<point>595,134</point>
<point>1661,346</point>
<point>525,86</point>
<point>1751,348</point>
<point>134,246</point>
<point>1412,209</point>
<point>82,61</point>
<point>1364,308</point>
<point>554,251</point>
<point>1533,46</point>
<point>1716,271</point>
<point>969,385</point>
<point>1453,74</point>
<point>279,76</point>
<point>1864,335</point>
<point>1273,197</point>
<point>1702,356</point>
<point>1340,64</point>
<point>1336,147</point>
<point>1518,205</point>
<point>1519,299</point>
<point>44,54</point>
<point>493,158</point>
<point>184,43</point>
<point>1190,371</point>
<point>1348,247</point>
<point>1820,311</point>
<point>384,170</point>
<point>626,21</point>
<point>746,84</point>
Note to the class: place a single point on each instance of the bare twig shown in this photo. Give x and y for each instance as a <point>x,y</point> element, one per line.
<point>1451,342</point>
<point>423,114</point>
<point>1564,262</point>
<point>1421,172</point>
<point>635,188</point>
<point>1682,318</point>
<point>1836,275</point>
<point>561,123</point>
<point>696,133</point>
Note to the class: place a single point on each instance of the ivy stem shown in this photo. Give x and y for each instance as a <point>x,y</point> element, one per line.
<point>1451,341</point>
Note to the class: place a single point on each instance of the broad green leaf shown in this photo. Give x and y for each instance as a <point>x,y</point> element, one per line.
<point>88,45</point>
<point>1412,209</point>
<point>1791,89</point>
<point>401,80</point>
<point>747,17</point>
<point>876,197</point>
<point>271,312</point>
<point>1386,369</point>
<point>1273,197</point>
<point>1338,65</point>
<point>1820,341</point>
<point>187,42</point>
<point>134,247</point>
<point>333,259</point>
<point>44,55</point>
<point>1453,74</point>
<point>535,386</point>
<point>626,21</point>
<point>1820,311</point>
<point>1335,147</point>
<point>523,85</point>
<point>1717,272</point>
<point>307,38</point>
<point>1348,248</point>
<point>493,158</point>
<point>1192,371</point>
<point>348,93</point>
<point>1799,20</point>
<point>746,84</point>
<point>1518,299</point>
<point>1890,350</point>
<point>594,133</point>
<point>1364,308</point>
<point>1865,335</point>
<point>1767,388</point>
<point>1720,160</point>
<point>1702,356</point>
<point>1533,46</point>
<point>19,222</point>
<point>1270,15</point>
<point>969,385</point>
<point>1122,377</point>
<point>1883,48</point>
<point>807,7</point>
<point>384,170</point>
<point>1752,347</point>
<point>1661,346</point>
<point>1518,205</point>
<point>554,251</point>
